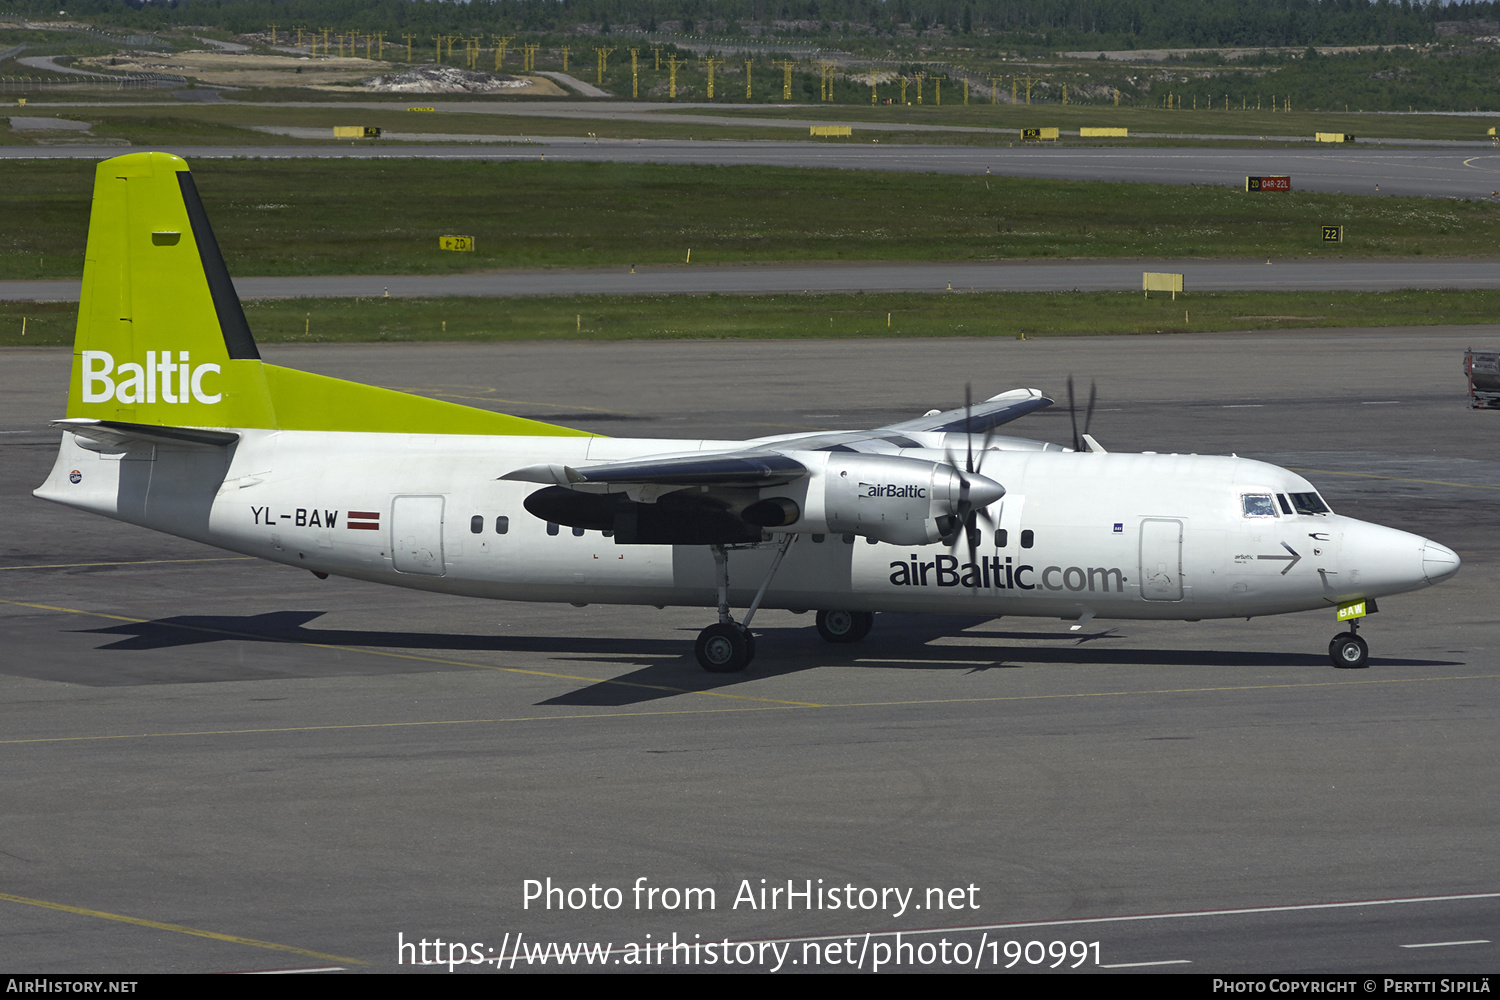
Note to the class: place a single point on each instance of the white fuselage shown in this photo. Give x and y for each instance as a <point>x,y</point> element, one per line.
<point>1108,535</point>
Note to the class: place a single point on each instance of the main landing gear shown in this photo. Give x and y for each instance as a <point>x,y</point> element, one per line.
<point>725,648</point>
<point>728,646</point>
<point>1348,650</point>
<point>845,626</point>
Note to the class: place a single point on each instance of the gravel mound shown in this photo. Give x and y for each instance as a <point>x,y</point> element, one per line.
<point>444,80</point>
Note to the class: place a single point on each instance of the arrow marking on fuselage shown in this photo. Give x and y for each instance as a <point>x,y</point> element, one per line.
<point>1292,559</point>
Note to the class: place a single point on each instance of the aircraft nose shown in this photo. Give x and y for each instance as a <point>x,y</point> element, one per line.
<point>1439,562</point>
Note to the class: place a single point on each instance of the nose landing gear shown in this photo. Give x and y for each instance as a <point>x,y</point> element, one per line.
<point>1347,650</point>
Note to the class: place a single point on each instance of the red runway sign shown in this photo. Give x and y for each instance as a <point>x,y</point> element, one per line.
<point>1268,183</point>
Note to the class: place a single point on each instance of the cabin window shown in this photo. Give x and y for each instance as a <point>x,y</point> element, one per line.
<point>817,539</point>
<point>502,524</point>
<point>1002,538</point>
<point>551,527</point>
<point>577,532</point>
<point>476,523</point>
<point>871,540</point>
<point>1257,505</point>
<point>849,539</point>
<point>607,533</point>
<point>1309,503</point>
<point>1027,538</point>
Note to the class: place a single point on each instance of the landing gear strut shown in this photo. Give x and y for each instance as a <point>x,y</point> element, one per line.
<point>1348,650</point>
<point>728,646</point>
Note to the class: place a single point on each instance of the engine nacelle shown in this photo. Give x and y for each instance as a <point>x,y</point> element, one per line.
<point>904,501</point>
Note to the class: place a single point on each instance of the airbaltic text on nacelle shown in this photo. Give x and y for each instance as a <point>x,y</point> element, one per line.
<point>137,384</point>
<point>764,894</point>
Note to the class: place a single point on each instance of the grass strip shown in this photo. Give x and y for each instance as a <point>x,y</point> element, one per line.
<point>292,217</point>
<point>774,317</point>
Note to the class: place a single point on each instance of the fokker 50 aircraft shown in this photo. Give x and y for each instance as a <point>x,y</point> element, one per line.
<point>174,423</point>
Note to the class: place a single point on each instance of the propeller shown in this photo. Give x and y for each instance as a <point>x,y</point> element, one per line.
<point>966,516</point>
<point>1079,442</point>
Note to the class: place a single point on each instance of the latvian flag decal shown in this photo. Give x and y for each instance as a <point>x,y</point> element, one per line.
<point>362,520</point>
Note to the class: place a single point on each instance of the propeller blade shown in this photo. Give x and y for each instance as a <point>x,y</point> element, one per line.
<point>1080,440</point>
<point>1073,416</point>
<point>966,513</point>
<point>969,426</point>
<point>973,533</point>
<point>984,446</point>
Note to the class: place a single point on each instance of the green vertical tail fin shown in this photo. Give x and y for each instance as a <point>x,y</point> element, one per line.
<point>162,339</point>
<point>161,336</point>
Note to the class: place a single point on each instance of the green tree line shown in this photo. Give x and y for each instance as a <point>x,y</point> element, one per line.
<point>1044,23</point>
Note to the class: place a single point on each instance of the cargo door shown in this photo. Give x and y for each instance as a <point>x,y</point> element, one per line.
<point>1161,559</point>
<point>417,535</point>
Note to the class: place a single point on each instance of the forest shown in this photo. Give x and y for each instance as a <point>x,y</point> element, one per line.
<point>1046,24</point>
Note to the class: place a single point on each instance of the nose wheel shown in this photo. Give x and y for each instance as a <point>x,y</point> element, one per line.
<point>1348,651</point>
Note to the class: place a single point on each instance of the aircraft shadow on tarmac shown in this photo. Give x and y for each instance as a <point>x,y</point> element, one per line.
<point>664,666</point>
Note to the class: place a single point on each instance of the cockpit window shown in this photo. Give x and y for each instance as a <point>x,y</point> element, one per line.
<point>1286,508</point>
<point>1309,503</point>
<point>1258,505</point>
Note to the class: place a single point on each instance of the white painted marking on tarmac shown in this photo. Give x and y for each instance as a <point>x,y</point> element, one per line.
<point>1142,965</point>
<point>1445,944</point>
<point>1243,406</point>
<point>978,928</point>
<point>1234,912</point>
<point>966,663</point>
<point>1381,402</point>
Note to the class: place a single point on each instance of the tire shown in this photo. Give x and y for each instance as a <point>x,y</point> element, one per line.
<point>724,649</point>
<point>1348,651</point>
<point>845,626</point>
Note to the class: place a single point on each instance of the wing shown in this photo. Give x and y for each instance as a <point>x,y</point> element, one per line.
<point>748,469</point>
<point>672,499</point>
<point>932,429</point>
<point>980,418</point>
<point>763,461</point>
<point>718,497</point>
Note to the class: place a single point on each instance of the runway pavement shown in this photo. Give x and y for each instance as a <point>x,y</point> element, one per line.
<point>755,279</point>
<point>214,764</point>
<point>1428,172</point>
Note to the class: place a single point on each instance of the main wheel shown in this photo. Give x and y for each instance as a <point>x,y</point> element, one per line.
<point>724,648</point>
<point>1349,651</point>
<point>845,626</point>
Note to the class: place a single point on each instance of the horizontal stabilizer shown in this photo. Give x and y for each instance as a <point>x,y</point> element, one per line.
<point>117,434</point>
